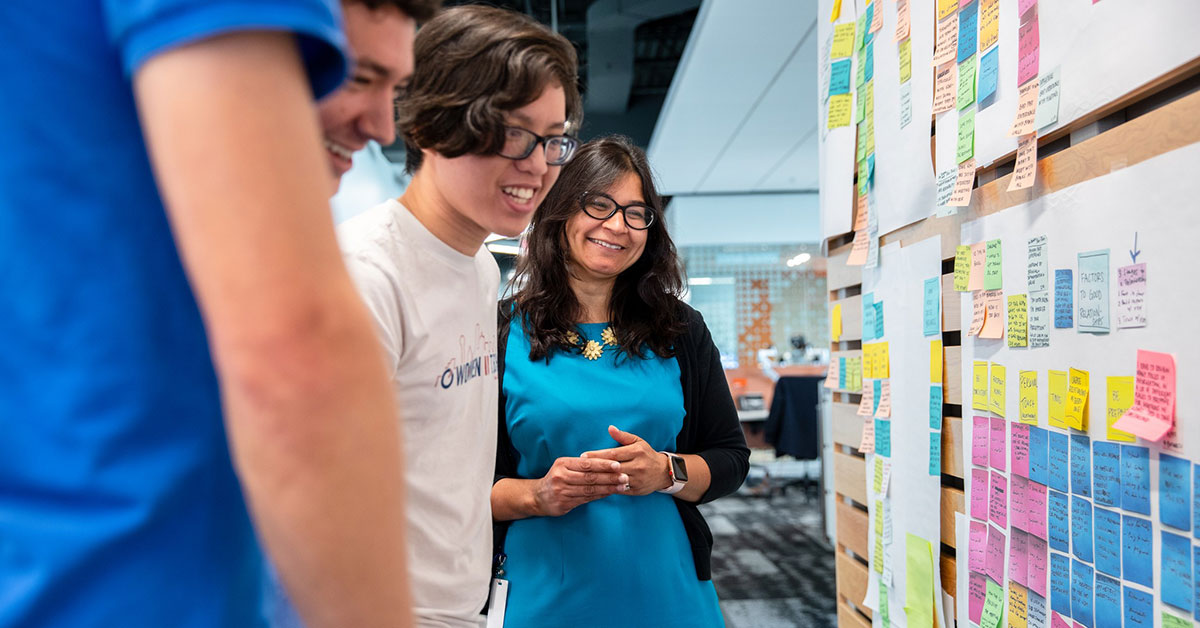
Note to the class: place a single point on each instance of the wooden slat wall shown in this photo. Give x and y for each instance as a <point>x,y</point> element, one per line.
<point>1164,121</point>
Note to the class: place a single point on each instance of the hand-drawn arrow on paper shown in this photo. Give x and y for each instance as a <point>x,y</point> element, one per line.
<point>1134,252</point>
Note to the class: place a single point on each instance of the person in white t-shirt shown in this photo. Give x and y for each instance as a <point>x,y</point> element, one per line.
<point>485,119</point>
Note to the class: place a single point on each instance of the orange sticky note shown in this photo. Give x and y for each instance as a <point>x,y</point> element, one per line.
<point>902,22</point>
<point>860,218</point>
<point>858,252</point>
<point>867,443</point>
<point>945,86</point>
<point>963,184</point>
<point>876,17</point>
<point>947,43</point>
<point>993,324</point>
<point>831,377</point>
<point>978,313</point>
<point>1153,411</point>
<point>978,257</point>
<point>866,405</point>
<point>1026,110</point>
<point>1025,170</point>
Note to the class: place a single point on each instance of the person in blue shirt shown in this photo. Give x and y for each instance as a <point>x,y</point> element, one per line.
<point>186,369</point>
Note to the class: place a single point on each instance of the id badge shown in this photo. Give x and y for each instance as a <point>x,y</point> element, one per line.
<point>495,616</point>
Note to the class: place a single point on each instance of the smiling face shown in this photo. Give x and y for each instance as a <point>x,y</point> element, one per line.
<point>363,108</point>
<point>491,194</point>
<point>602,249</point>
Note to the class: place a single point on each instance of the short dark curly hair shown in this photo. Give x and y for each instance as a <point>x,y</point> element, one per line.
<point>419,10</point>
<point>473,64</point>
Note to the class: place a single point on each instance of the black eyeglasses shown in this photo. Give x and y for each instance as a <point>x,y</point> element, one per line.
<point>601,206</point>
<point>519,144</point>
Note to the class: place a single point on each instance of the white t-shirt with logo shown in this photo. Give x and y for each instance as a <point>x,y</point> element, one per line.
<point>435,311</point>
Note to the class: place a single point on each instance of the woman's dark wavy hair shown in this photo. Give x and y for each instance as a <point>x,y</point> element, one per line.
<point>474,63</point>
<point>644,308</point>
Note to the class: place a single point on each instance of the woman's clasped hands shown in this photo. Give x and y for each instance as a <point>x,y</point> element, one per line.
<point>632,468</point>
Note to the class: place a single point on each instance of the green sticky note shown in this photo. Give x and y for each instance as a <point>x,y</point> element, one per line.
<point>1171,621</point>
<point>883,605</point>
<point>992,277</point>
<point>860,153</point>
<point>966,135</point>
<point>962,267</point>
<point>860,72</point>
<point>860,101</point>
<point>869,121</point>
<point>918,581</point>
<point>993,606</point>
<point>966,82</point>
<point>860,30</point>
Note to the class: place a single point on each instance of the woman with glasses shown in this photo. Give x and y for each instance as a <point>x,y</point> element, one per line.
<point>615,417</point>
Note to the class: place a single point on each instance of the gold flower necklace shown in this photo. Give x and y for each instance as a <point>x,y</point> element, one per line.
<point>592,350</point>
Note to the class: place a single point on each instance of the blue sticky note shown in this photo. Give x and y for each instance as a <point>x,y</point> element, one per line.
<point>1058,521</point>
<point>935,453</point>
<point>1137,550</point>
<point>988,77</point>
<point>1108,602</point>
<point>1064,303</point>
<point>1135,479</point>
<point>1081,465</point>
<point>1196,500</point>
<point>870,52</point>
<point>1176,576</point>
<point>1081,593</point>
<point>869,16</point>
<point>879,319</point>
<point>935,407</point>
<point>1081,528</point>
<point>1196,580</point>
<point>1174,491</point>
<point>1139,608</point>
<point>868,316</point>
<point>1038,469</point>
<point>1060,468</point>
<point>871,181</point>
<point>877,390</point>
<point>1060,584</point>
<point>839,77</point>
<point>1106,464</point>
<point>842,373</point>
<point>883,437</point>
<point>1108,541</point>
<point>968,31</point>
<point>933,306</point>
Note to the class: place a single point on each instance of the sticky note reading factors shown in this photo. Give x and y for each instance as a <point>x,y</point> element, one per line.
<point>1093,291</point>
<point>1135,479</point>
<point>1153,411</point>
<point>1120,399</point>
<point>1018,321</point>
<point>1131,296</point>
<point>1175,491</point>
<point>1063,299</point>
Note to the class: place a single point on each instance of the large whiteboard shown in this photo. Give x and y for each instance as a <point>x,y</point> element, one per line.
<point>1148,199</point>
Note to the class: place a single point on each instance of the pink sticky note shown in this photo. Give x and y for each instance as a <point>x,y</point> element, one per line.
<point>1035,577</point>
<point>1023,6</point>
<point>1035,510</point>
<point>998,500</point>
<point>1016,503</point>
<point>1018,557</point>
<point>977,560</point>
<point>1153,411</point>
<point>1028,43</point>
<point>998,445</point>
<point>1020,450</point>
<point>995,554</point>
<point>979,440</point>
<point>1057,622</point>
<point>979,494</point>
<point>976,592</point>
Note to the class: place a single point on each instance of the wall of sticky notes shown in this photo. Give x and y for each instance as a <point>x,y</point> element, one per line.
<point>1066,509</point>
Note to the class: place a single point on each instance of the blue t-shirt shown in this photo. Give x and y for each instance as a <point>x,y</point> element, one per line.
<point>118,501</point>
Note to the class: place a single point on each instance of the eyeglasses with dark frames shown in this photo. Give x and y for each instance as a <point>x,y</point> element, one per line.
<point>601,206</point>
<point>519,144</point>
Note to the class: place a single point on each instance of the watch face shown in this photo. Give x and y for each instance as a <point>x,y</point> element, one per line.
<point>679,469</point>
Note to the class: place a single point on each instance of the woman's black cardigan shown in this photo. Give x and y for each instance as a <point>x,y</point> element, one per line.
<point>711,429</point>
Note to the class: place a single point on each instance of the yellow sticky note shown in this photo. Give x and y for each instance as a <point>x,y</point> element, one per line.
<point>878,562</point>
<point>1058,398</point>
<point>979,386</point>
<point>946,7</point>
<point>837,11</point>
<point>905,60</point>
<point>1018,321</point>
<point>1120,399</point>
<point>999,382</point>
<point>935,361</point>
<point>879,474</point>
<point>843,41</point>
<point>918,581</point>
<point>1029,398</point>
<point>836,321</point>
<point>989,23</point>
<point>1018,606</point>
<point>962,267</point>
<point>840,109</point>
<point>878,517</point>
<point>1077,396</point>
<point>882,365</point>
